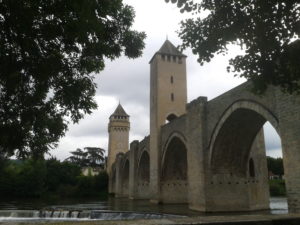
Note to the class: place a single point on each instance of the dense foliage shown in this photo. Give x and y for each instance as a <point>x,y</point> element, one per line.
<point>267,30</point>
<point>275,165</point>
<point>44,178</point>
<point>49,53</point>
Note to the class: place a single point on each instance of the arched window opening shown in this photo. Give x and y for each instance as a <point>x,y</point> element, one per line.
<point>251,168</point>
<point>170,118</point>
<point>172,80</point>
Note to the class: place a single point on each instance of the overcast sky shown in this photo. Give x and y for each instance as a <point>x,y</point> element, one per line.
<point>127,81</point>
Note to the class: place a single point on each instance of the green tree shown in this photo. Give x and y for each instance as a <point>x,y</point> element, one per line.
<point>79,158</point>
<point>89,157</point>
<point>96,157</point>
<point>61,174</point>
<point>50,51</point>
<point>268,31</point>
<point>30,180</point>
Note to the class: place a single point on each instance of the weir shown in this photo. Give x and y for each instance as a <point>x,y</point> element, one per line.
<point>12,215</point>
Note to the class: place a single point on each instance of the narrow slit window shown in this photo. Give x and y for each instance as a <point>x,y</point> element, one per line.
<point>251,168</point>
<point>172,97</point>
<point>172,80</point>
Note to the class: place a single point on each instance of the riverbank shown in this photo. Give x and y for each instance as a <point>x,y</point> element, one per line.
<point>287,219</point>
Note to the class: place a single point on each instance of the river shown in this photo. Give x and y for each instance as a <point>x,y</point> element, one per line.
<point>112,208</point>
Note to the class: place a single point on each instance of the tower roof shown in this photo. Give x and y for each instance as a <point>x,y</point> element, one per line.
<point>168,49</point>
<point>119,111</point>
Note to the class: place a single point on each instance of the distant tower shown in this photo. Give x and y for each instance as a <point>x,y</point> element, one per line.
<point>168,98</point>
<point>118,129</point>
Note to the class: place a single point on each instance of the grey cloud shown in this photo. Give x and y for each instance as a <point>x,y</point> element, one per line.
<point>90,128</point>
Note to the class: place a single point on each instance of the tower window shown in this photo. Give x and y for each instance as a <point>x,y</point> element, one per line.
<point>163,57</point>
<point>172,97</point>
<point>172,80</point>
<point>174,58</point>
<point>179,59</point>
<point>168,58</point>
<point>170,118</point>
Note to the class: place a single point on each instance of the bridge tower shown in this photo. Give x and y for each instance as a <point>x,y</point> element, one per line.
<point>118,140</point>
<point>168,98</point>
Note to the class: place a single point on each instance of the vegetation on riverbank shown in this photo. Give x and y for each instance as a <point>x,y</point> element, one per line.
<point>48,178</point>
<point>277,185</point>
<point>277,188</point>
<point>54,179</point>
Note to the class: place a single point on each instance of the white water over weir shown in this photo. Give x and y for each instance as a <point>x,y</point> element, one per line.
<point>13,215</point>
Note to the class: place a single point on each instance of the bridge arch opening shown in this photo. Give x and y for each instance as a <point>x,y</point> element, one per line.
<point>125,178</point>
<point>144,169</point>
<point>174,184</point>
<point>143,176</point>
<point>238,158</point>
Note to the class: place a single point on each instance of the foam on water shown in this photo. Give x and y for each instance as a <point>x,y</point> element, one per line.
<point>25,215</point>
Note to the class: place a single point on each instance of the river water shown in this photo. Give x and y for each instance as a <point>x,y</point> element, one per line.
<point>112,208</point>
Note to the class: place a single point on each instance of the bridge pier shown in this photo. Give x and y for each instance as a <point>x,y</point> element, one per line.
<point>133,169</point>
<point>291,148</point>
<point>118,182</point>
<point>154,168</point>
<point>196,127</point>
<point>289,115</point>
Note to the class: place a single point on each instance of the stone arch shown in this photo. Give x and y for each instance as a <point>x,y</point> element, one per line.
<point>174,182</point>
<point>246,118</point>
<point>238,173</point>
<point>144,167</point>
<point>143,175</point>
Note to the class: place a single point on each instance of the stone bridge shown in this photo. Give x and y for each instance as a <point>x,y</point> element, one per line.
<point>213,156</point>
